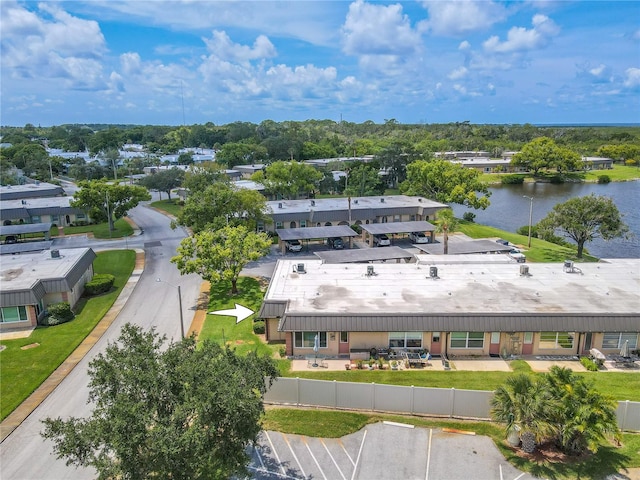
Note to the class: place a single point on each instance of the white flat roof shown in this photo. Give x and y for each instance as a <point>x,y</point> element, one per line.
<point>19,272</point>
<point>40,202</point>
<point>357,203</point>
<point>601,288</point>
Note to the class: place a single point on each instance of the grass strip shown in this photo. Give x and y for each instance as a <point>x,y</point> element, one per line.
<point>22,371</point>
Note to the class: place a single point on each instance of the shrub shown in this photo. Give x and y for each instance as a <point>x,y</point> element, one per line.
<point>604,179</point>
<point>630,162</point>
<point>258,327</point>
<point>283,352</point>
<point>469,216</point>
<point>356,228</point>
<point>589,364</point>
<point>512,180</point>
<point>58,313</point>
<point>557,179</point>
<point>524,230</point>
<point>101,283</point>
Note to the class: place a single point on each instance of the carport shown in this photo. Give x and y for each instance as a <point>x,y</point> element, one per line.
<point>396,227</point>
<point>365,255</point>
<point>23,247</point>
<point>25,229</point>
<point>311,233</point>
<point>465,247</point>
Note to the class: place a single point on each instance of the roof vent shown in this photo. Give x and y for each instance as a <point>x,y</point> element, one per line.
<point>568,266</point>
<point>313,203</point>
<point>280,205</point>
<point>433,272</point>
<point>382,200</point>
<point>355,201</point>
<point>420,199</point>
<point>524,270</point>
<point>55,253</point>
<point>370,271</point>
<point>299,268</point>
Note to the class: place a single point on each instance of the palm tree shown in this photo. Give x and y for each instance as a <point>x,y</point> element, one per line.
<point>521,402</point>
<point>446,223</point>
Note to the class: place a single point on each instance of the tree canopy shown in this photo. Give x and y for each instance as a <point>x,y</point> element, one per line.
<point>446,182</point>
<point>584,218</point>
<point>543,153</point>
<point>446,223</point>
<point>179,411</point>
<point>221,254</point>
<point>363,180</point>
<point>164,180</point>
<point>288,179</point>
<point>105,201</point>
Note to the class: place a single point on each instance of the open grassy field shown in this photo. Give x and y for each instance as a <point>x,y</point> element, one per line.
<point>619,173</point>
<point>172,207</point>
<point>22,371</point>
<point>101,230</point>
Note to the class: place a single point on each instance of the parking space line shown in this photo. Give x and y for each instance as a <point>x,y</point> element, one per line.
<point>275,452</point>
<point>519,476</point>
<point>315,460</point>
<point>500,468</point>
<point>355,465</point>
<point>426,475</point>
<point>277,474</point>
<point>294,455</point>
<point>255,449</point>
<point>332,459</point>
<point>346,453</point>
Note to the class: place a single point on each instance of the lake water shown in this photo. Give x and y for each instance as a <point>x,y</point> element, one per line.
<point>509,210</point>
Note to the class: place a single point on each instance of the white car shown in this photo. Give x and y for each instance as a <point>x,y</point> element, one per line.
<point>381,240</point>
<point>294,245</point>
<point>418,237</point>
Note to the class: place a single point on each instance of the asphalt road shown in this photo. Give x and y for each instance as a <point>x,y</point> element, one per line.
<point>24,454</point>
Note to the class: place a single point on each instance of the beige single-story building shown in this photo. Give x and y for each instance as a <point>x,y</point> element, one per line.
<point>55,210</point>
<point>459,308</point>
<point>32,281</point>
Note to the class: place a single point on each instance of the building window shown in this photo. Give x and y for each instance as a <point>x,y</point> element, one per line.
<point>551,340</point>
<point>13,314</point>
<point>396,218</point>
<point>303,224</point>
<point>467,339</point>
<point>412,218</point>
<point>528,338</point>
<point>278,225</point>
<point>617,339</point>
<point>405,339</point>
<point>55,218</point>
<point>308,339</point>
<point>35,219</point>
<point>344,337</point>
<point>80,216</point>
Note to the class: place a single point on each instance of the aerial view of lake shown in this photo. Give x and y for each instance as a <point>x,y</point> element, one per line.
<point>509,210</point>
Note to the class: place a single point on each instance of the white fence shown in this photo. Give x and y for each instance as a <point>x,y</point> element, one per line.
<point>447,402</point>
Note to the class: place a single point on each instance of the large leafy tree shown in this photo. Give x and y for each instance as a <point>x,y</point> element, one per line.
<point>584,218</point>
<point>164,180</point>
<point>288,179</point>
<point>232,154</point>
<point>105,201</point>
<point>363,180</point>
<point>543,153</point>
<point>176,411</point>
<point>221,254</point>
<point>446,182</point>
<point>222,204</point>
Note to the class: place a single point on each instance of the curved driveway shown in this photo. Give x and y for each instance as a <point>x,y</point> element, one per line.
<point>24,454</point>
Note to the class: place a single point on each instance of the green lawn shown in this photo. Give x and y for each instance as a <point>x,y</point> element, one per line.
<point>334,424</point>
<point>100,230</point>
<point>172,207</point>
<point>22,371</point>
<point>619,173</point>
<point>540,251</point>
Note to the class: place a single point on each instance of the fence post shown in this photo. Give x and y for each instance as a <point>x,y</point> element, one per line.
<point>453,399</point>
<point>412,398</point>
<point>373,396</point>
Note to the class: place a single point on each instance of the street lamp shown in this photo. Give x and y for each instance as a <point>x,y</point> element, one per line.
<point>179,303</point>
<point>530,216</point>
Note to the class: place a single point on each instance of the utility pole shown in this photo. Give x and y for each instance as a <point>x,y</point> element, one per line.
<point>530,217</point>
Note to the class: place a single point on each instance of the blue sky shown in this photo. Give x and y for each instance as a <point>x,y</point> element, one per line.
<point>169,63</point>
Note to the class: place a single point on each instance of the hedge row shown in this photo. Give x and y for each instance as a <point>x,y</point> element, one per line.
<point>101,283</point>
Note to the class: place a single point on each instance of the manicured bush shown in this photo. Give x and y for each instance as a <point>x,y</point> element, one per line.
<point>604,179</point>
<point>101,283</point>
<point>589,364</point>
<point>469,216</point>
<point>283,352</point>
<point>258,327</point>
<point>512,180</point>
<point>58,313</point>
<point>630,162</point>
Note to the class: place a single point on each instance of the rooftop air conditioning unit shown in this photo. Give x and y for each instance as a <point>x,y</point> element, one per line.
<point>355,201</point>
<point>568,266</point>
<point>524,270</point>
<point>280,205</point>
<point>382,200</point>
<point>370,271</point>
<point>300,268</point>
<point>433,272</point>
<point>55,253</point>
<point>313,203</point>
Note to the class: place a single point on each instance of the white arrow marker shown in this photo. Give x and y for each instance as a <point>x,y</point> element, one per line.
<point>240,312</point>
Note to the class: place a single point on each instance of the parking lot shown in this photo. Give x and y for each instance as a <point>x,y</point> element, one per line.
<point>381,450</point>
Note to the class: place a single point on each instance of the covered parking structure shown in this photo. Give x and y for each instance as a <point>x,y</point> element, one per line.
<point>312,233</point>
<point>24,247</point>
<point>366,255</point>
<point>465,247</point>
<point>25,229</point>
<point>393,228</point>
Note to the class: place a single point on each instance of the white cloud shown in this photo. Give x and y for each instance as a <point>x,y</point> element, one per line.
<point>520,39</point>
<point>378,30</point>
<point>632,79</point>
<point>458,73</point>
<point>461,17</point>
<point>221,45</point>
<point>61,46</point>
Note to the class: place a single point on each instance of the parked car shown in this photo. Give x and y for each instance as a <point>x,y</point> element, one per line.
<point>335,243</point>
<point>502,241</point>
<point>294,245</point>
<point>381,240</point>
<point>10,239</point>
<point>418,237</point>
